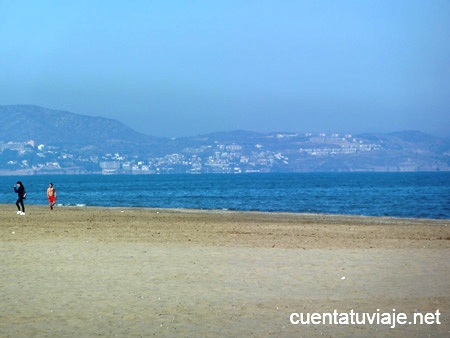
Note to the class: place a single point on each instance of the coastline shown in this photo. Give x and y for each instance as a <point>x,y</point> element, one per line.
<point>388,194</point>
<point>228,228</point>
<point>89,271</point>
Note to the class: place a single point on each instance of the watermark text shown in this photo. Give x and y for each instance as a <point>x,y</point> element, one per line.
<point>392,319</point>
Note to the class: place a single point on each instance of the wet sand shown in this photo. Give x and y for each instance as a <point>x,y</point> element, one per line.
<point>130,272</point>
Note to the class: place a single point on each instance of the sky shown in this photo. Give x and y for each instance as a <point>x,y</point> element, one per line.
<point>184,68</point>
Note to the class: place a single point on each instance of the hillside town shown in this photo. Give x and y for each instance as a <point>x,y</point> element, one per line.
<point>308,152</point>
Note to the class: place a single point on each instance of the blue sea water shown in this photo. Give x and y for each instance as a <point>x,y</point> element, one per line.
<point>417,195</point>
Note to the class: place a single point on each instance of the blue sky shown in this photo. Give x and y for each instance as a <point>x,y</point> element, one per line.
<point>177,68</point>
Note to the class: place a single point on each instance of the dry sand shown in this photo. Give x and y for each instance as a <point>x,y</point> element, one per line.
<point>118,272</point>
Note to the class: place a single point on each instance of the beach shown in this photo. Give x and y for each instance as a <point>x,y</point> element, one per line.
<point>138,272</point>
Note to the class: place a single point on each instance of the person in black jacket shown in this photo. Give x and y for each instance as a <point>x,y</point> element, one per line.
<point>20,190</point>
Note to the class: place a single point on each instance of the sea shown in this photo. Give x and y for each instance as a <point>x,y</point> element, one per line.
<point>409,194</point>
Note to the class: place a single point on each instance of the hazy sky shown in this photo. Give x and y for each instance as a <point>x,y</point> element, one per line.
<point>177,68</point>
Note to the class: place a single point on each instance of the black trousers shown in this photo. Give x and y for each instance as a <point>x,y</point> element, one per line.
<point>20,201</point>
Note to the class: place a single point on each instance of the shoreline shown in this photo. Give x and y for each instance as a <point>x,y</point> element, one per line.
<point>135,272</point>
<point>227,228</point>
<point>191,210</point>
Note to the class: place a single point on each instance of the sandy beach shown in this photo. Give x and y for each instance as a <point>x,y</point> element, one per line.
<point>130,272</point>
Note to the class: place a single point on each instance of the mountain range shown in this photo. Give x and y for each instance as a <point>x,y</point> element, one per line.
<point>20,123</point>
<point>87,137</point>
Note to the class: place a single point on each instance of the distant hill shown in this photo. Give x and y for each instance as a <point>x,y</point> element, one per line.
<point>77,143</point>
<point>410,140</point>
<point>64,129</point>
